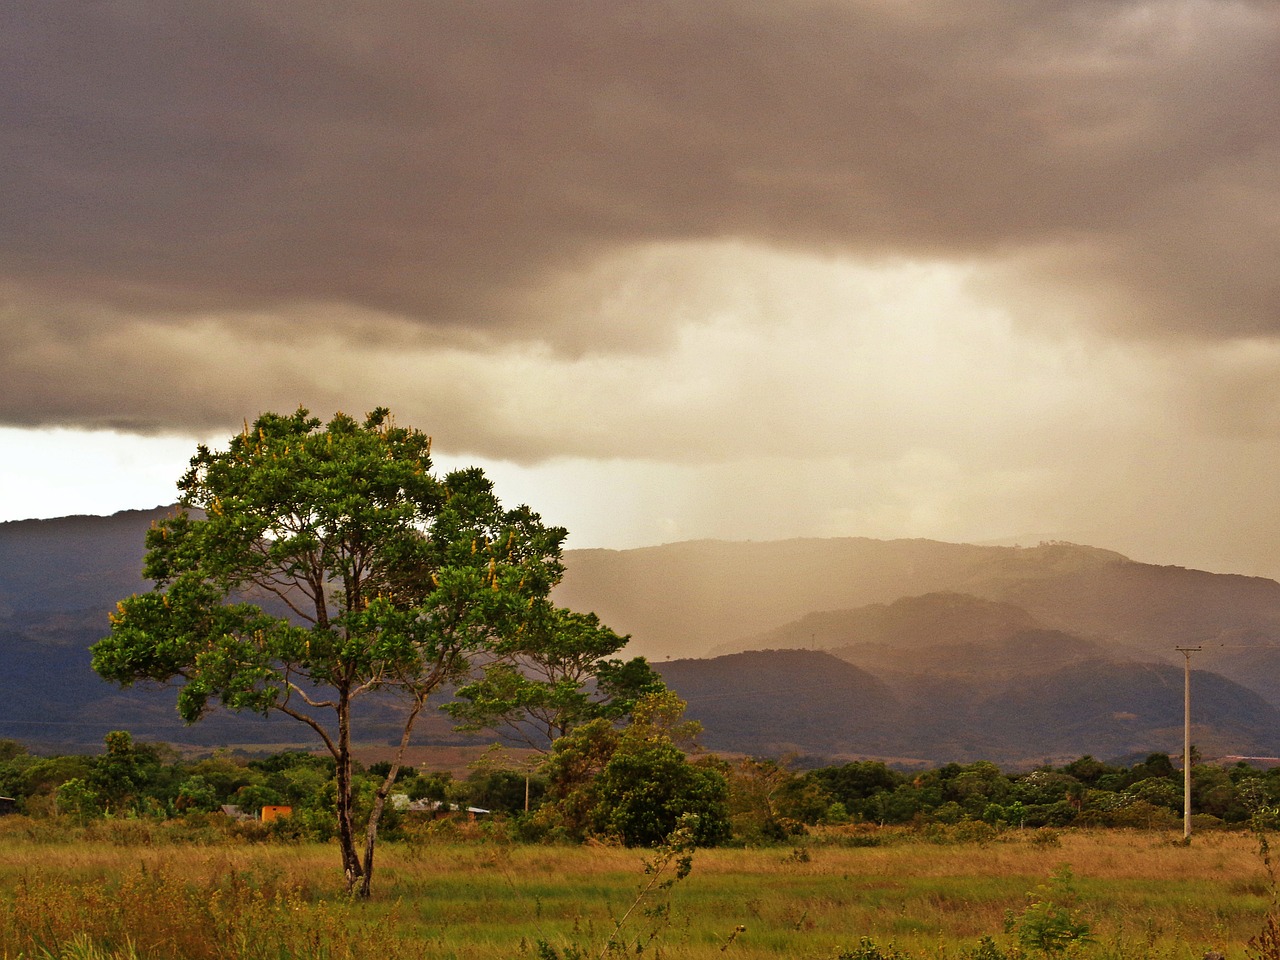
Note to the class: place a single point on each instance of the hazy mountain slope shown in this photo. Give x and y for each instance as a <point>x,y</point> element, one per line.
<point>683,599</point>
<point>1123,708</point>
<point>806,702</point>
<point>938,651</point>
<point>690,599</point>
<point>59,580</point>
<point>909,622</point>
<point>983,665</point>
<point>1250,659</point>
<point>1150,607</point>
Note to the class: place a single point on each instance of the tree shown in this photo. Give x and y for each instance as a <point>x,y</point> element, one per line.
<point>635,784</point>
<point>861,786</point>
<point>648,787</point>
<point>120,774</point>
<point>78,799</point>
<point>759,795</point>
<point>558,674</point>
<point>311,566</point>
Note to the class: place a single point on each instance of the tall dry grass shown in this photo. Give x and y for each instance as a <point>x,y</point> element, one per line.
<point>1146,896</point>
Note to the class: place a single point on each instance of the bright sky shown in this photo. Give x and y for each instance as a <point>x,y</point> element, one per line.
<point>1003,272</point>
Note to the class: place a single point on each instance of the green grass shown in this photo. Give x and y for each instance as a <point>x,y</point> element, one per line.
<point>98,899</point>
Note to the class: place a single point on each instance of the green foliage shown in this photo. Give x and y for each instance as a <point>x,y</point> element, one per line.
<point>571,799</point>
<point>1052,923</point>
<point>977,784</point>
<point>121,774</point>
<point>634,784</point>
<point>649,786</point>
<point>1088,771</point>
<point>504,790</point>
<point>556,675</point>
<point>768,803</point>
<point>77,799</point>
<point>854,783</point>
<point>1157,791</point>
<point>196,794</point>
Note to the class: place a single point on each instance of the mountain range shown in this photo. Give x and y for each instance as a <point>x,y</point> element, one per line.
<point>913,651</point>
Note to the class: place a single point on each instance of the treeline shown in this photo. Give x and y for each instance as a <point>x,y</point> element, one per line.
<point>631,785</point>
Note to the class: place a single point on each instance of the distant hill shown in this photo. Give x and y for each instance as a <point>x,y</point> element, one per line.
<point>698,598</point>
<point>907,623</point>
<point>813,705</point>
<point>784,701</point>
<point>72,563</point>
<point>909,650</point>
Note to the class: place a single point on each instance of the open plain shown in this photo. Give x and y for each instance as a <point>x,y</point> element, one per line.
<point>123,890</point>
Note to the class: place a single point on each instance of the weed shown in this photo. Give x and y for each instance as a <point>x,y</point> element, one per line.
<point>676,855</point>
<point>961,832</point>
<point>464,900</point>
<point>1265,945</point>
<point>733,935</point>
<point>544,951</point>
<point>987,949</point>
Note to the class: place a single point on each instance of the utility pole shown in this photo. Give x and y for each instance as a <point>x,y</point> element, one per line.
<point>1186,740</point>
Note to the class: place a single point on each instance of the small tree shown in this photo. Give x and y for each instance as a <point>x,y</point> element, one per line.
<point>76,798</point>
<point>120,773</point>
<point>635,783</point>
<point>1052,923</point>
<point>647,788</point>
<point>312,566</point>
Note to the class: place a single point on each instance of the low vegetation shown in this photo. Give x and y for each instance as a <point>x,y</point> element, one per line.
<point>117,889</point>
<point>597,783</point>
<point>127,854</point>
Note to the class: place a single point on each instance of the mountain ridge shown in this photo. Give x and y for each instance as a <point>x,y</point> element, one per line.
<point>930,651</point>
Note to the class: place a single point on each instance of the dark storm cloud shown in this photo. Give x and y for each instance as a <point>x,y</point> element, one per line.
<point>450,168</point>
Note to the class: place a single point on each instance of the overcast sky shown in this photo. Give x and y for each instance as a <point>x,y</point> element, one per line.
<point>992,271</point>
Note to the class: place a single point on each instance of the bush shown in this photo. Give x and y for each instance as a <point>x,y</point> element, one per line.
<point>1143,815</point>
<point>965,831</point>
<point>648,786</point>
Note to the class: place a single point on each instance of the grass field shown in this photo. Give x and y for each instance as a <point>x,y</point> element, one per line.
<point>136,894</point>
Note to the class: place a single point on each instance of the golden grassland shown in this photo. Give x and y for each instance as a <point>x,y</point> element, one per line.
<point>131,892</point>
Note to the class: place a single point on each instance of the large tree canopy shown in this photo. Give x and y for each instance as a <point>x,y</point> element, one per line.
<point>311,565</point>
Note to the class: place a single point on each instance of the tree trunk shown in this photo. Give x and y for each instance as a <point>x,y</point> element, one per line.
<point>346,828</point>
<point>380,799</point>
<point>371,837</point>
